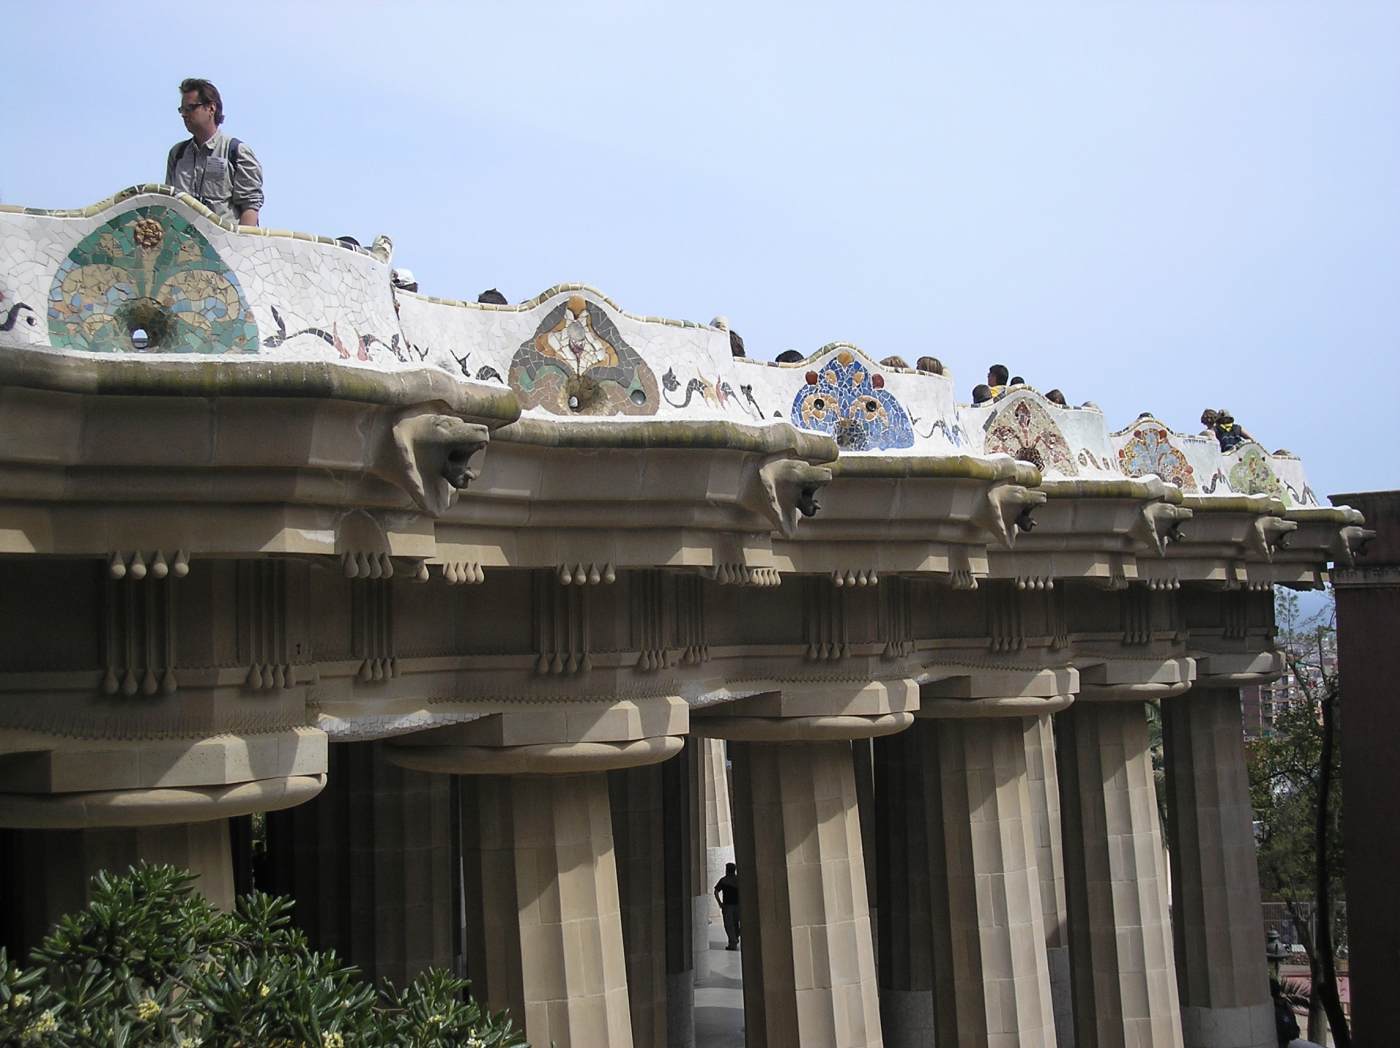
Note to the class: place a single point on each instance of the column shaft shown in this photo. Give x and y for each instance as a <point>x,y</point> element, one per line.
<point>719,832</point>
<point>1042,778</point>
<point>809,965</point>
<point>368,862</point>
<point>635,795</point>
<point>48,872</point>
<point>677,810</point>
<point>544,932</point>
<point>1121,958</point>
<point>1218,926</point>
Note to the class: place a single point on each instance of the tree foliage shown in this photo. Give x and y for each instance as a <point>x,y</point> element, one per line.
<point>151,962</point>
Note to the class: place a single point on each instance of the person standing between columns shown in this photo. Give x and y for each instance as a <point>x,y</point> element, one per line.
<point>727,895</point>
<point>220,172</point>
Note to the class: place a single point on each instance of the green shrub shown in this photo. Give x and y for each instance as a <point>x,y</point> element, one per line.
<point>151,962</point>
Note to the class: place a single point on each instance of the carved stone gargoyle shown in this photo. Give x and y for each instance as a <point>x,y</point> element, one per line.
<point>1160,523</point>
<point>784,489</point>
<point>1006,510</point>
<point>1350,543</point>
<point>432,457</point>
<point>1268,534</point>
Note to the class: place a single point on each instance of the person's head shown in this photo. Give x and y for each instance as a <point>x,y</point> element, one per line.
<point>932,365</point>
<point>730,868</point>
<point>997,375</point>
<point>981,393</point>
<point>1224,418</point>
<point>789,356</point>
<point>1056,397</point>
<point>347,241</point>
<point>403,279</point>
<point>893,362</point>
<point>201,107</point>
<point>1209,417</point>
<point>492,297</point>
<point>1017,380</point>
<point>736,344</point>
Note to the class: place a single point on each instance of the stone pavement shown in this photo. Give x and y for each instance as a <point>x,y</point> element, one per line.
<point>719,996</point>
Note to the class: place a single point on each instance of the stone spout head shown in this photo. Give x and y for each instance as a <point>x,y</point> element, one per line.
<point>1159,524</point>
<point>785,490</point>
<point>1007,510</point>
<point>434,457</point>
<point>1268,534</point>
<point>1350,543</point>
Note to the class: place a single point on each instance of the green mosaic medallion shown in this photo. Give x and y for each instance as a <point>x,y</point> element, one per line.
<point>148,281</point>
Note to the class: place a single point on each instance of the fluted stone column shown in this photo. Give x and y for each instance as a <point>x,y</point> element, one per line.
<point>862,758</point>
<point>544,931</point>
<point>1218,926</point>
<point>1042,779</point>
<point>809,965</point>
<point>1121,957</point>
<point>677,815</point>
<point>908,830</point>
<point>701,900</point>
<point>369,864</point>
<point>636,798</point>
<point>48,872</point>
<point>719,832</point>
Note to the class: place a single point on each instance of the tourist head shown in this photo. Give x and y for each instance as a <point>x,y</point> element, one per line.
<point>201,107</point>
<point>997,375</point>
<point>1017,380</point>
<point>736,344</point>
<point>403,279</point>
<point>492,297</point>
<point>730,868</point>
<point>789,356</point>
<point>893,362</point>
<point>1209,417</point>
<point>1223,416</point>
<point>1056,397</point>
<point>981,393</point>
<point>932,365</point>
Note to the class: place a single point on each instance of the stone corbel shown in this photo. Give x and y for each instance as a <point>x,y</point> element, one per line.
<point>432,457</point>
<point>1160,523</point>
<point>1006,510</point>
<point>1268,534</point>
<point>784,489</point>
<point>1350,543</point>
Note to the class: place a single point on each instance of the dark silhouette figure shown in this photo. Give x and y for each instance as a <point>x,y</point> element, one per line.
<point>492,297</point>
<point>727,895</point>
<point>736,344</point>
<point>981,393</point>
<point>1228,432</point>
<point>789,356</point>
<point>1056,397</point>
<point>930,364</point>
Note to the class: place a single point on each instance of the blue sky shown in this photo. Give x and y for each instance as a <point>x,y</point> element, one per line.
<point>1154,206</point>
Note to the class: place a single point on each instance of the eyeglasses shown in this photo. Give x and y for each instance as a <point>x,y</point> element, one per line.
<point>184,110</point>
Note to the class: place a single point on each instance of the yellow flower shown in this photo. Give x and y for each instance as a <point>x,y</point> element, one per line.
<point>332,1040</point>
<point>39,1029</point>
<point>263,989</point>
<point>147,1010</point>
<point>19,1000</point>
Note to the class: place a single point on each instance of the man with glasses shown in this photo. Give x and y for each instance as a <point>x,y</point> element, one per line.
<point>219,171</point>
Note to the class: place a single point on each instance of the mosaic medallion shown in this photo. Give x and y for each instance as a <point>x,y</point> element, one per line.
<point>846,400</point>
<point>1150,450</point>
<point>1251,475</point>
<point>1028,433</point>
<point>578,364</point>
<point>148,281</point>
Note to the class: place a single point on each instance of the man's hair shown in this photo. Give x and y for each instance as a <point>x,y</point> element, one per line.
<point>999,373</point>
<point>981,393</point>
<point>1018,381</point>
<point>930,364</point>
<point>729,867</point>
<point>1056,397</point>
<point>207,93</point>
<point>789,356</point>
<point>492,297</point>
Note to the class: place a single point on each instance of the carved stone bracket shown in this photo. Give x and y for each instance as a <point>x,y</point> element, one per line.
<point>784,490</point>
<point>742,575</point>
<point>586,574</point>
<point>1006,510</point>
<point>1161,523</point>
<point>863,577</point>
<point>432,457</point>
<point>136,566</point>
<point>464,573</point>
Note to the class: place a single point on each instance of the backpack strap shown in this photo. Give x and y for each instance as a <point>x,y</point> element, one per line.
<point>233,145</point>
<point>181,149</point>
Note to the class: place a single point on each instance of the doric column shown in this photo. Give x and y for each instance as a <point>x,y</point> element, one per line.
<point>1115,880</point>
<point>1042,779</point>
<point>809,963</point>
<point>808,956</point>
<point>1218,925</point>
<point>544,929</point>
<point>678,816</point>
<point>719,833</point>
<point>368,863</point>
<point>636,797</point>
<point>48,872</point>
<point>543,922</point>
